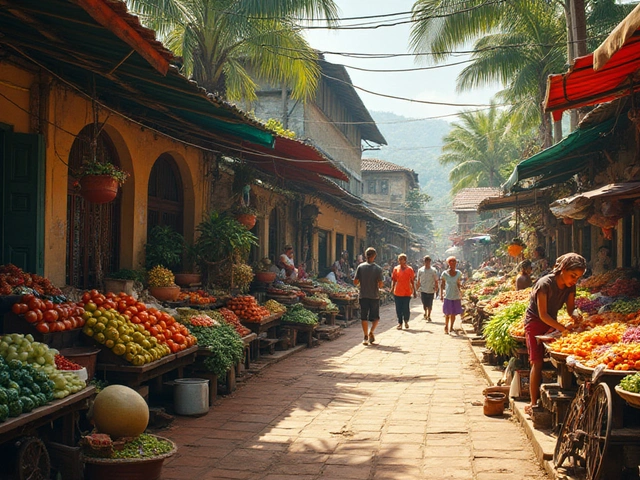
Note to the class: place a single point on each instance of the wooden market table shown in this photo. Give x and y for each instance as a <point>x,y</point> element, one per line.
<point>268,326</point>
<point>134,376</point>
<point>61,441</point>
<point>305,328</point>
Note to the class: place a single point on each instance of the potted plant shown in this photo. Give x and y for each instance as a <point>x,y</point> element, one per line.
<point>515,247</point>
<point>221,242</point>
<point>162,284</point>
<point>244,215</point>
<point>99,181</point>
<point>243,177</point>
<point>190,274</point>
<point>123,280</point>
<point>264,272</point>
<point>164,247</point>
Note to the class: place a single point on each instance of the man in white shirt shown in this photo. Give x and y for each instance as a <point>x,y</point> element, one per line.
<point>427,286</point>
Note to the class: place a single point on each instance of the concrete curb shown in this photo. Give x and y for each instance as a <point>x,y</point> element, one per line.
<point>542,441</point>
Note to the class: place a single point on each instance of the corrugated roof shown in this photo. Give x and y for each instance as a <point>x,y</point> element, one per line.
<point>468,199</point>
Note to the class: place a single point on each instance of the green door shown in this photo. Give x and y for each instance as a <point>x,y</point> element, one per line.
<point>22,168</point>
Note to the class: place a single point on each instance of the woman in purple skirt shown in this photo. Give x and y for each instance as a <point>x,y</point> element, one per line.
<point>451,287</point>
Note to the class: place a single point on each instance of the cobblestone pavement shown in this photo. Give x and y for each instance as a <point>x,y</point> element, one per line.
<point>409,407</point>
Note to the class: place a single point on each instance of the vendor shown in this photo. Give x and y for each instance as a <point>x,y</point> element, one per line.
<point>332,275</point>
<point>524,275</point>
<point>288,267</point>
<point>342,269</point>
<point>602,262</point>
<point>548,296</point>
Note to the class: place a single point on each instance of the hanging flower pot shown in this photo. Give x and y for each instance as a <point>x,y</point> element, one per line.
<point>515,248</point>
<point>246,219</point>
<point>98,188</point>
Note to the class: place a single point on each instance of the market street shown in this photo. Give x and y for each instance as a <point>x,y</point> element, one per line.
<point>409,407</point>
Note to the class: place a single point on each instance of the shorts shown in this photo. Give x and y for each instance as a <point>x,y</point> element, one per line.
<point>427,299</point>
<point>452,307</point>
<point>369,309</point>
<point>535,348</point>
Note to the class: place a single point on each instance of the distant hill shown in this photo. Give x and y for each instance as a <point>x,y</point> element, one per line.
<point>416,144</point>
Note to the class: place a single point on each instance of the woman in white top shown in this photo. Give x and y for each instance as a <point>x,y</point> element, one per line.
<point>289,270</point>
<point>452,290</point>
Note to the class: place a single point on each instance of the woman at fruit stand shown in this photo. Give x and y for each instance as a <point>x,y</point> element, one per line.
<point>524,278</point>
<point>289,270</point>
<point>548,296</point>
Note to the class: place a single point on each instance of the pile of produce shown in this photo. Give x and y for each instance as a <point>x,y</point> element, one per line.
<point>15,347</point>
<point>631,383</point>
<point>225,345</point>
<point>222,315</point>
<point>588,305</point>
<point>232,319</point>
<point>12,278</point>
<point>496,330</point>
<point>198,297</point>
<point>622,287</point>
<point>595,282</point>
<point>22,388</point>
<point>625,306</point>
<point>124,338</point>
<point>63,363</point>
<point>47,316</point>
<point>281,288</point>
<point>508,298</point>
<point>246,307</point>
<point>274,306</point>
<point>316,300</point>
<point>160,276</point>
<point>298,314</point>
<point>242,276</point>
<point>160,325</point>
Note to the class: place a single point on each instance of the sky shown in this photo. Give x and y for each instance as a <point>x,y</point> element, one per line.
<point>437,85</point>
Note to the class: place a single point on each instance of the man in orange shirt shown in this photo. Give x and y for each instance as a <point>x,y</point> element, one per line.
<point>403,287</point>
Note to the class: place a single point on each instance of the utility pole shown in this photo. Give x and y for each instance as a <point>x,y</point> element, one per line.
<point>577,40</point>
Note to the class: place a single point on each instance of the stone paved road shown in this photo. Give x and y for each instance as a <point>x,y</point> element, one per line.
<point>407,408</point>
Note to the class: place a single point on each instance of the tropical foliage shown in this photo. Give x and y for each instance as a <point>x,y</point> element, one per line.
<point>224,43</point>
<point>482,147</point>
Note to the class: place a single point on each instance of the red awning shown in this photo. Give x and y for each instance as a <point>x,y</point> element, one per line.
<point>582,85</point>
<point>289,158</point>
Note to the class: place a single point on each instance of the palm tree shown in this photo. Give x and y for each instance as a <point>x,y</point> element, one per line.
<point>518,43</point>
<point>224,44</point>
<point>481,147</point>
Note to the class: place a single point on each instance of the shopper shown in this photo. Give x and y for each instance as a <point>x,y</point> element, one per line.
<point>427,286</point>
<point>548,296</point>
<point>451,286</point>
<point>403,286</point>
<point>369,277</point>
<point>524,278</point>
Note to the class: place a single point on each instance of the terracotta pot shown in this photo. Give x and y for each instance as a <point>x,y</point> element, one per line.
<point>98,188</point>
<point>165,294</point>
<point>246,219</point>
<point>129,468</point>
<point>117,285</point>
<point>514,250</point>
<point>494,404</point>
<point>265,277</point>
<point>186,279</point>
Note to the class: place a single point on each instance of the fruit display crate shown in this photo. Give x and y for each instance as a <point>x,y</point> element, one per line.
<point>13,323</point>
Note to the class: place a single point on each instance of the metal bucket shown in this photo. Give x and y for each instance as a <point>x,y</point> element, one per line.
<point>191,396</point>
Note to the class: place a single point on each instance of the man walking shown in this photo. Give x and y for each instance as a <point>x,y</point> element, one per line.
<point>369,277</point>
<point>427,286</point>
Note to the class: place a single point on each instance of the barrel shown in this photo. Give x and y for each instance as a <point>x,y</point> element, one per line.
<point>191,396</point>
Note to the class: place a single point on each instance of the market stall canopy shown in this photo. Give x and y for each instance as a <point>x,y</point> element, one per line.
<point>608,73</point>
<point>559,162</point>
<point>578,206</point>
<point>512,200</point>
<point>102,52</point>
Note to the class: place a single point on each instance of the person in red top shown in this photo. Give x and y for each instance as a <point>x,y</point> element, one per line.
<point>403,287</point>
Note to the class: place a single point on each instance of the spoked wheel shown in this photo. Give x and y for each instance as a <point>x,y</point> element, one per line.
<point>597,429</point>
<point>570,442</point>
<point>33,460</point>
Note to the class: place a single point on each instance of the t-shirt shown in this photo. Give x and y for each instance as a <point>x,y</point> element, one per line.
<point>451,290</point>
<point>556,297</point>
<point>404,279</point>
<point>369,275</point>
<point>428,278</point>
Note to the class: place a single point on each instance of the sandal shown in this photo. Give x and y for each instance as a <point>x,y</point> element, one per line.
<point>372,338</point>
<point>528,409</point>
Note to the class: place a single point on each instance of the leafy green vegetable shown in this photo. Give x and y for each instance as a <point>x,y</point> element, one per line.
<point>298,314</point>
<point>225,345</point>
<point>631,383</point>
<point>496,330</point>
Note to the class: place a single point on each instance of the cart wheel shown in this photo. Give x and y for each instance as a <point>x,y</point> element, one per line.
<point>597,428</point>
<point>570,440</point>
<point>33,460</point>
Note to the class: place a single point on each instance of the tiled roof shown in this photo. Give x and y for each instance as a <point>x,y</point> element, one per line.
<point>470,198</point>
<point>376,165</point>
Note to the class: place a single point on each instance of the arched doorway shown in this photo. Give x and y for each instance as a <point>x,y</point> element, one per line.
<point>93,230</point>
<point>165,203</point>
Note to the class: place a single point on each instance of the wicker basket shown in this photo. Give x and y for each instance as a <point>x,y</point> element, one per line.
<point>631,398</point>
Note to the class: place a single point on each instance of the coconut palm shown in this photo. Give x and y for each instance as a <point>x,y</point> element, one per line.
<point>481,147</point>
<point>518,43</point>
<point>225,44</point>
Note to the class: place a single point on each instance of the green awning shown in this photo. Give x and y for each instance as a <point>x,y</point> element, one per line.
<point>560,162</point>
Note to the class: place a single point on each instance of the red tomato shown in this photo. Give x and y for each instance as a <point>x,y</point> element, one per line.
<point>179,338</point>
<point>141,306</point>
<point>111,295</point>
<point>131,301</point>
<point>50,316</point>
<point>147,326</point>
<point>34,304</point>
<point>67,324</point>
<point>94,293</point>
<point>136,319</point>
<point>42,327</point>
<point>16,308</point>
<point>163,324</point>
<point>122,306</point>
<point>133,310</point>
<point>81,322</point>
<point>59,326</point>
<point>39,314</point>
<point>31,316</point>
<point>27,298</point>
<point>48,304</point>
<point>86,297</point>
<point>98,300</point>
<point>143,316</point>
<point>153,331</point>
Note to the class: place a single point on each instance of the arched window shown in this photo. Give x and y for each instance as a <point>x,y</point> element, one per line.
<point>93,230</point>
<point>165,205</point>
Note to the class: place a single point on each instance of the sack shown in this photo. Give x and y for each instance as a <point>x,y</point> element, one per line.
<point>514,391</point>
